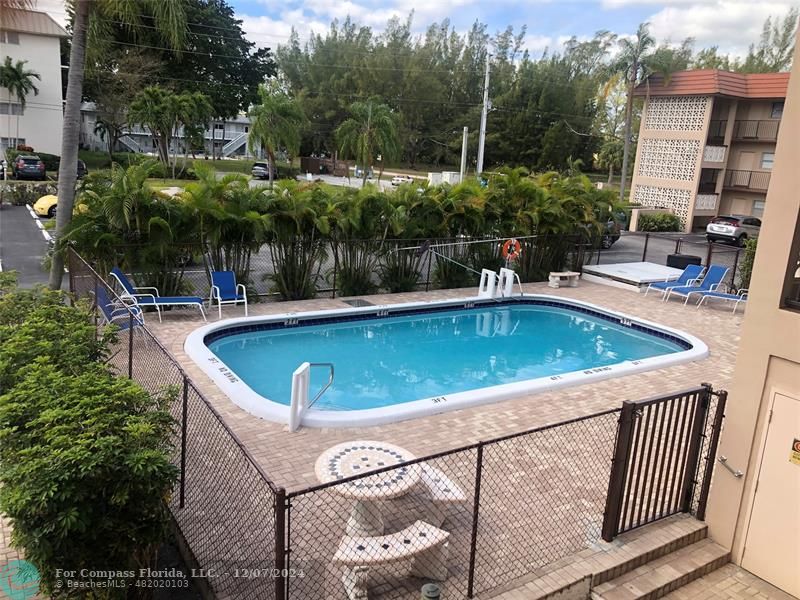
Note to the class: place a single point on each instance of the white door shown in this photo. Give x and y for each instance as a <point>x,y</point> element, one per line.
<point>772,547</point>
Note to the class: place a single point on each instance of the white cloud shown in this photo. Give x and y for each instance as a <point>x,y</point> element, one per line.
<point>535,44</point>
<point>729,24</point>
<point>269,32</point>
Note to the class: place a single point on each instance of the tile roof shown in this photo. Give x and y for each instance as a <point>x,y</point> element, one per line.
<point>31,21</point>
<point>703,82</point>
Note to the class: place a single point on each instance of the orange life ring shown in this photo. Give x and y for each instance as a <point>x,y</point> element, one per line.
<point>512,249</point>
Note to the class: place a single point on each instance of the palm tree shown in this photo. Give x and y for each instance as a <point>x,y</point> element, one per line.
<point>170,20</point>
<point>274,123</point>
<point>19,82</point>
<point>632,63</point>
<point>370,130</point>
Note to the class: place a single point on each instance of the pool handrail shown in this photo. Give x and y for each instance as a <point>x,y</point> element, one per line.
<point>301,380</point>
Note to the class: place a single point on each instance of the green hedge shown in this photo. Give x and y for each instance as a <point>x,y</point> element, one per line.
<point>658,222</point>
<point>19,193</point>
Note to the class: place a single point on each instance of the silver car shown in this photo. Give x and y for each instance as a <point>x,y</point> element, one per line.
<point>733,228</point>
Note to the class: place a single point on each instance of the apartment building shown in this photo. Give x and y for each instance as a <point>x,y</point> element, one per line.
<point>754,507</point>
<point>33,37</point>
<point>226,138</point>
<point>707,143</point>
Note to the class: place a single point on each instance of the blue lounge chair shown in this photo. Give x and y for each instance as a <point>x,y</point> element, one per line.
<point>737,298</point>
<point>225,290</point>
<point>117,312</point>
<point>690,276</point>
<point>153,299</point>
<point>711,281</point>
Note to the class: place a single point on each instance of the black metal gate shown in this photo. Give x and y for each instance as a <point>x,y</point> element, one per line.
<point>665,447</point>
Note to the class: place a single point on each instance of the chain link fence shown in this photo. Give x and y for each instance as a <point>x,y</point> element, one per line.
<point>224,505</point>
<point>473,518</point>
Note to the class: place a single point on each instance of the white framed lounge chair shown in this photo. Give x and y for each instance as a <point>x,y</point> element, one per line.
<point>152,297</point>
<point>225,290</point>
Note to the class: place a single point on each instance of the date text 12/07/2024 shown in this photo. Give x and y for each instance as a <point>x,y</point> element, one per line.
<point>247,573</point>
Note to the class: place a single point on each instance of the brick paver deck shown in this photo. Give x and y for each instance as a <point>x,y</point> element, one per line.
<point>729,583</point>
<point>289,458</point>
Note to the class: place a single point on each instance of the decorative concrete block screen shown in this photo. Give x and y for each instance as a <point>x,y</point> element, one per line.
<point>668,159</point>
<point>664,197</point>
<point>676,113</point>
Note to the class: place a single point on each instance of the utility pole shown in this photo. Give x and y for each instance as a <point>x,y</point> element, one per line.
<point>464,153</point>
<point>484,114</point>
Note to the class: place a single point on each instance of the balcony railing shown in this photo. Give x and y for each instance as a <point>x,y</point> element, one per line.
<point>705,202</point>
<point>749,180</point>
<point>757,131</point>
<point>715,154</point>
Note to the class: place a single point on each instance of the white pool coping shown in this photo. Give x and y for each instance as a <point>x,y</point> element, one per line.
<point>246,398</point>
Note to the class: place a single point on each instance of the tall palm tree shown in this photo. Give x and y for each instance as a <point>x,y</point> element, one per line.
<point>370,130</point>
<point>632,63</point>
<point>274,123</point>
<point>19,82</point>
<point>168,17</point>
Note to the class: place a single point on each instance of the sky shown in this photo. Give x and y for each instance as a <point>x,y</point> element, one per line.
<point>730,24</point>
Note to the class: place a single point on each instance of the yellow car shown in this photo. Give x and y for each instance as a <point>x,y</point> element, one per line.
<point>46,206</point>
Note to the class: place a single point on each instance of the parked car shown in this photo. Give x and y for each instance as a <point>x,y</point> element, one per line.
<point>611,233</point>
<point>46,206</point>
<point>401,179</point>
<point>733,228</point>
<point>29,166</point>
<point>261,171</point>
<point>82,170</point>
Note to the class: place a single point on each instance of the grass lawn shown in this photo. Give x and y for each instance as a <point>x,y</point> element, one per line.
<point>160,184</point>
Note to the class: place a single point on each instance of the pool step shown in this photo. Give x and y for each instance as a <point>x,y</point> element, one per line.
<point>659,577</point>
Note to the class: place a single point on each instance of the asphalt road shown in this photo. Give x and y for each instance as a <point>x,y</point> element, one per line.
<point>22,245</point>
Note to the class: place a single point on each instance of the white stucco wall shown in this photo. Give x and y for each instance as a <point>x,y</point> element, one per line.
<point>40,126</point>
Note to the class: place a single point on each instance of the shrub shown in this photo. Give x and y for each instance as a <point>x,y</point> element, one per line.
<point>84,456</point>
<point>20,193</point>
<point>658,222</point>
<point>746,268</point>
<point>85,470</point>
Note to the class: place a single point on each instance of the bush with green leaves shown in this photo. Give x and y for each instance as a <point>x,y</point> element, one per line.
<point>660,222</point>
<point>85,467</point>
<point>746,267</point>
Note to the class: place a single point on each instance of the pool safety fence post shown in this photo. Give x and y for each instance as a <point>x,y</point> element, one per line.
<point>281,547</point>
<point>619,472</point>
<point>130,343</point>
<point>475,514</point>
<point>678,245</point>
<point>709,253</point>
<point>428,276</point>
<point>94,300</point>
<point>695,444</point>
<point>335,270</point>
<point>711,453</point>
<point>184,418</point>
<point>644,250</point>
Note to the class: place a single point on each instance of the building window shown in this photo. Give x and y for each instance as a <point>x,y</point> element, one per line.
<point>14,107</point>
<point>758,208</point>
<point>9,37</point>
<point>11,142</point>
<point>767,160</point>
<point>777,110</point>
<point>219,126</point>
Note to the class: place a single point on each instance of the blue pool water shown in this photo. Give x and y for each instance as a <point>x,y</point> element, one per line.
<point>380,362</point>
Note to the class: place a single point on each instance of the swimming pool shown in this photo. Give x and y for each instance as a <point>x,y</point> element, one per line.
<point>402,361</point>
